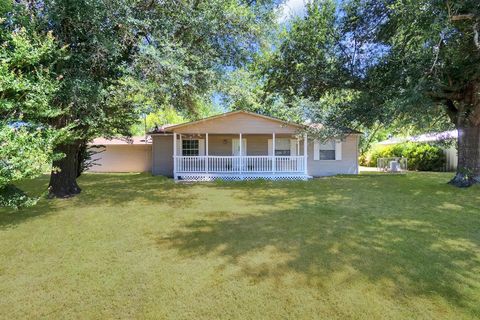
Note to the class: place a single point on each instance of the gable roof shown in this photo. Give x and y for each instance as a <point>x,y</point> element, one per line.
<point>171,128</point>
<point>226,114</point>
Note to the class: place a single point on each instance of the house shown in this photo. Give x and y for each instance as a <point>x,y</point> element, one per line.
<point>241,145</point>
<point>244,145</point>
<point>447,138</point>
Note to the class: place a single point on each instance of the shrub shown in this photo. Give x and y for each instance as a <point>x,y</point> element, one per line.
<point>420,156</point>
<point>363,160</point>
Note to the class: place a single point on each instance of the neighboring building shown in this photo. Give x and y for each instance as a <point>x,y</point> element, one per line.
<point>122,155</point>
<point>451,153</point>
<point>243,145</point>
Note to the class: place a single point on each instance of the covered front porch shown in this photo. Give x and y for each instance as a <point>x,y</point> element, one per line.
<point>204,157</point>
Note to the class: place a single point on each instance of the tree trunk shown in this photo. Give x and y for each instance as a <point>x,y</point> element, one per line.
<point>63,179</point>
<point>81,158</point>
<point>468,169</point>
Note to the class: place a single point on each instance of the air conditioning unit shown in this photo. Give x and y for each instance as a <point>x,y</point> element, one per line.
<point>392,165</point>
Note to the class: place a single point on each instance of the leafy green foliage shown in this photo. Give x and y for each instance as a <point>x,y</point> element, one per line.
<point>128,58</point>
<point>13,197</point>
<point>27,81</point>
<point>420,156</point>
<point>243,89</point>
<point>27,87</point>
<point>188,48</point>
<point>25,153</point>
<point>409,62</point>
<point>310,45</point>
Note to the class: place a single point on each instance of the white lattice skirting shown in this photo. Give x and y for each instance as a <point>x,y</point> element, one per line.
<point>231,177</point>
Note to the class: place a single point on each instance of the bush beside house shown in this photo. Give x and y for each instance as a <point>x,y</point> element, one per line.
<point>420,156</point>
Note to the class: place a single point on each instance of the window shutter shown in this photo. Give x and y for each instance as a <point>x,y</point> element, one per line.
<point>293,147</point>
<point>270,147</point>
<point>338,150</point>
<point>316,150</point>
<point>201,147</point>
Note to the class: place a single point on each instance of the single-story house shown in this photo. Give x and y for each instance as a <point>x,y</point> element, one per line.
<point>242,145</point>
<point>450,150</point>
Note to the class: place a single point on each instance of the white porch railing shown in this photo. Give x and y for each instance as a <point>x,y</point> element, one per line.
<point>239,164</point>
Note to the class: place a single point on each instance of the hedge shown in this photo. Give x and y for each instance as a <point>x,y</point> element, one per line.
<point>420,156</point>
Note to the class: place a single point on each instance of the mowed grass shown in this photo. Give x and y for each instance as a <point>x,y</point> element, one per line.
<point>351,247</point>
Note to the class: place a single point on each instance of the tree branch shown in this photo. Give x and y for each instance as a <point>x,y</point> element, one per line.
<point>451,110</point>
<point>461,17</point>
<point>440,96</point>
<point>432,69</point>
<point>475,35</point>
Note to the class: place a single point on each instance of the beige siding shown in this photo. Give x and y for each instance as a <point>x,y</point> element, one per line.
<point>162,156</point>
<point>221,145</point>
<point>257,144</point>
<point>237,123</point>
<point>124,158</point>
<point>348,164</point>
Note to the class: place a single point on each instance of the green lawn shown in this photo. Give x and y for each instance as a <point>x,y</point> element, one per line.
<point>136,246</point>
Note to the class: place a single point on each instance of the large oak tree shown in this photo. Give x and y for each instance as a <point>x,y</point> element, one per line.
<point>177,49</point>
<point>382,60</point>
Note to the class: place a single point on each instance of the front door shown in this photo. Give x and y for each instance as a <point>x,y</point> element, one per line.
<point>236,147</point>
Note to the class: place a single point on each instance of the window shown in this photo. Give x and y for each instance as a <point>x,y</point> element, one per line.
<point>327,150</point>
<point>282,147</point>
<point>190,148</point>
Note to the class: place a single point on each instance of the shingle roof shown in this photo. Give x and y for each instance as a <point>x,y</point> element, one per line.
<point>175,126</point>
<point>161,129</point>
<point>427,137</point>
<point>138,140</point>
<point>166,128</point>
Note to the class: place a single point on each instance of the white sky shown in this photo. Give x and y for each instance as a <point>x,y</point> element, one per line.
<point>291,8</point>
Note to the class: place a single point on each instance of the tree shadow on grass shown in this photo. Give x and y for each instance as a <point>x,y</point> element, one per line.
<point>121,189</point>
<point>34,188</point>
<point>101,189</point>
<point>422,249</point>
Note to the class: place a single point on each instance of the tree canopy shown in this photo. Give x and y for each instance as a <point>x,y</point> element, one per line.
<point>27,87</point>
<point>133,57</point>
<point>362,62</point>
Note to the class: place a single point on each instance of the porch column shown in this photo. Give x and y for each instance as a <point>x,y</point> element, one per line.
<point>274,161</point>
<point>241,158</point>
<point>305,153</point>
<point>175,156</point>
<point>206,152</point>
